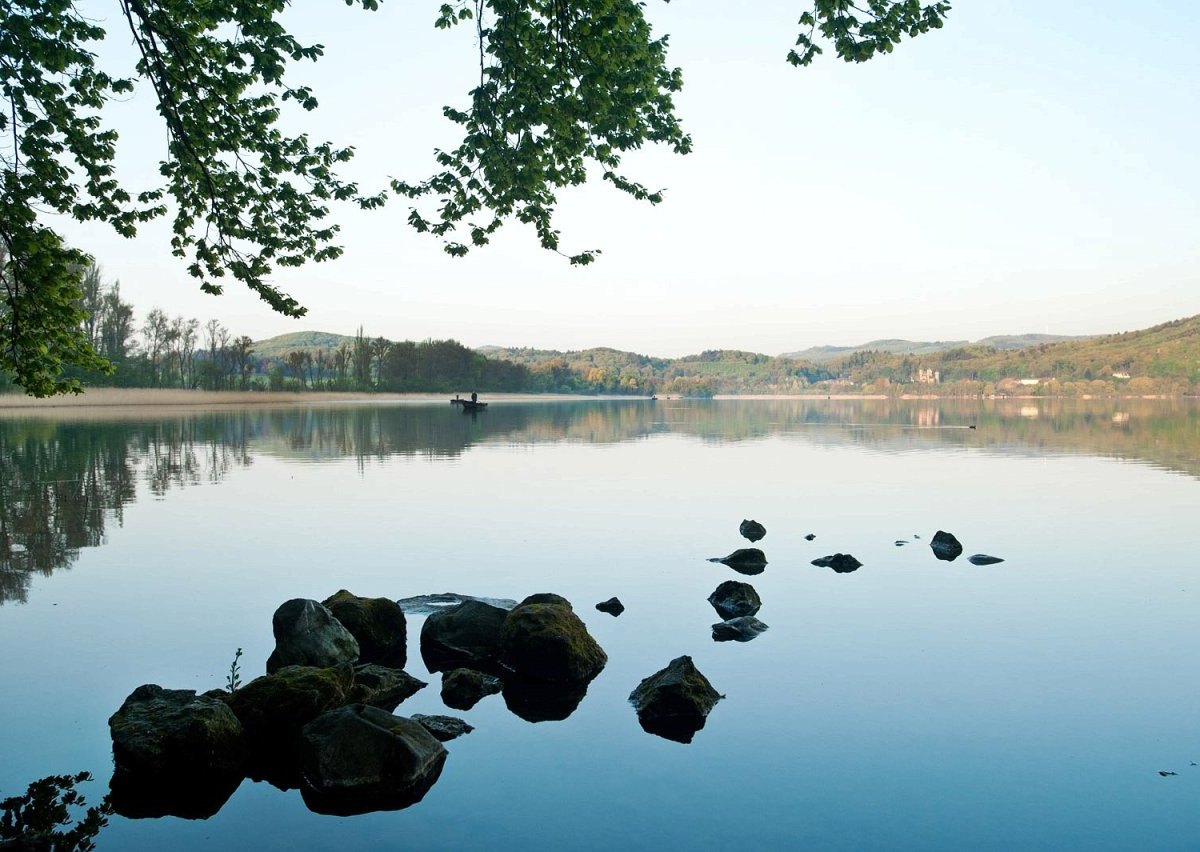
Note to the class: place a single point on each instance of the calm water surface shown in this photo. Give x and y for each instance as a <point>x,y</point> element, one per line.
<point>911,704</point>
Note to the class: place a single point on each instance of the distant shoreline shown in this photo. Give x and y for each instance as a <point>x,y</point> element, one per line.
<point>126,398</point>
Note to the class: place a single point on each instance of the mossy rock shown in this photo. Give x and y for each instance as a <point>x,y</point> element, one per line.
<point>548,641</point>
<point>377,624</point>
<point>276,706</point>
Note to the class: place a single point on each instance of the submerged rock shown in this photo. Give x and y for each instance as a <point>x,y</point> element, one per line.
<point>548,641</point>
<point>359,759</point>
<point>383,687</point>
<point>983,559</point>
<point>746,560</point>
<point>612,606</point>
<point>733,599</point>
<point>429,604</point>
<point>674,702</point>
<point>377,624</point>
<point>752,530</point>
<point>175,754</point>
<point>462,689</point>
<point>307,634</point>
<point>900,542</point>
<point>945,546</point>
<point>842,563</point>
<point>741,629</point>
<point>443,728</point>
<point>464,635</point>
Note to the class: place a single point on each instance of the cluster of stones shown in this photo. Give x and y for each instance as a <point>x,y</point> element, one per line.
<point>736,602</point>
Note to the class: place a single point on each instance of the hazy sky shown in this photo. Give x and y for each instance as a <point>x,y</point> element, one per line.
<point>1031,167</point>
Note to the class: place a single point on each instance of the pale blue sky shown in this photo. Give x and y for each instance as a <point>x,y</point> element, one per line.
<point>1030,167</point>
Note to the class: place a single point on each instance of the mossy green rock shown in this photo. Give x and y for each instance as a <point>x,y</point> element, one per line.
<point>674,702</point>
<point>377,624</point>
<point>275,707</point>
<point>173,733</point>
<point>548,641</point>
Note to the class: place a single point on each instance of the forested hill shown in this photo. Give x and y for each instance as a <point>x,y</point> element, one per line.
<point>825,354</point>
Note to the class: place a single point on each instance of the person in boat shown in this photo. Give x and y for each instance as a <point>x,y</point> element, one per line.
<point>474,397</point>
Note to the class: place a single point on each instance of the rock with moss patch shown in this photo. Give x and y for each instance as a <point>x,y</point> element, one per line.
<point>358,759</point>
<point>307,634</point>
<point>383,687</point>
<point>548,641</point>
<point>275,707</point>
<point>462,689</point>
<point>377,624</point>
<point>674,702</point>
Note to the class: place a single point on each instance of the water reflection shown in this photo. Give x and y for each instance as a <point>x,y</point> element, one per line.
<point>63,481</point>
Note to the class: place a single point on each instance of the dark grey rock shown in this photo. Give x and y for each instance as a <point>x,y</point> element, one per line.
<point>443,728</point>
<point>810,537</point>
<point>900,542</point>
<point>674,702</point>
<point>945,546</point>
<point>548,641</point>
<point>983,559</point>
<point>307,634</point>
<point>429,604</point>
<point>612,606</point>
<point>377,624</point>
<point>752,530</point>
<point>462,689</point>
<point>746,560</point>
<point>464,635</point>
<point>383,687</point>
<point>174,733</point>
<point>842,563</point>
<point>741,629</point>
<point>358,759</point>
<point>733,599</point>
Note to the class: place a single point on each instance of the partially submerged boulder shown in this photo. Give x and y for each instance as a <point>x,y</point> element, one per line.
<point>462,689</point>
<point>443,728</point>
<point>383,687</point>
<point>983,559</point>
<point>945,546</point>
<point>307,634</point>
<point>733,599</point>
<point>752,530</point>
<point>612,606</point>
<point>377,624</point>
<point>358,759</point>
<point>746,560</point>
<point>175,754</point>
<point>674,702</point>
<point>842,563</point>
<point>741,629</point>
<point>274,708</point>
<point>464,635</point>
<point>548,641</point>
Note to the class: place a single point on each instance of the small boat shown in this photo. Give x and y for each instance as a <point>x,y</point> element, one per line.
<point>457,401</point>
<point>467,405</point>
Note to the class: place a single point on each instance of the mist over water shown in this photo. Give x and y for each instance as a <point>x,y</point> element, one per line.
<point>912,702</point>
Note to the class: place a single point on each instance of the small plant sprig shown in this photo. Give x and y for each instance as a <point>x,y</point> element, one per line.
<point>234,679</point>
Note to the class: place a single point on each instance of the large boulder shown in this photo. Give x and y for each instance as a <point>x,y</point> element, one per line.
<point>358,759</point>
<point>377,624</point>
<point>741,629</point>
<point>383,687</point>
<point>548,641</point>
<point>464,635</point>
<point>842,563</point>
<point>307,634</point>
<point>733,599</point>
<point>175,753</point>
<point>674,702</point>
<point>274,708</point>
<point>462,689</point>
<point>945,546</point>
<point>746,560</point>
<point>752,530</point>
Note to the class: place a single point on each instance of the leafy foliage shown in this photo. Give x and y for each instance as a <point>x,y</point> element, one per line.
<point>566,90</point>
<point>40,817</point>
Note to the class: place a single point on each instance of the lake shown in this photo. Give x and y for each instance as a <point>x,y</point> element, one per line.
<point>913,703</point>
